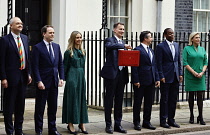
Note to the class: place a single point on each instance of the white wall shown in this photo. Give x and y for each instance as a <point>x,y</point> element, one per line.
<point>3,13</point>
<point>168,14</point>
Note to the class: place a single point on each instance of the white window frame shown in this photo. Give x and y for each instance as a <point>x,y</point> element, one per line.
<point>119,16</point>
<point>200,10</point>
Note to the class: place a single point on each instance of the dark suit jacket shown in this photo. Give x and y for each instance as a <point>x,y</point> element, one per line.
<point>43,68</point>
<point>146,73</point>
<point>110,68</point>
<point>10,60</point>
<point>166,63</point>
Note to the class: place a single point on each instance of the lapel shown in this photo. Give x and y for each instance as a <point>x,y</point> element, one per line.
<point>176,49</point>
<point>115,40</point>
<point>44,48</point>
<point>145,52</point>
<point>12,41</point>
<point>168,50</point>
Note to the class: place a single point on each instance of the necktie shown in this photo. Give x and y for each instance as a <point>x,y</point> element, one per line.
<point>172,50</point>
<point>148,51</point>
<point>120,42</point>
<point>20,50</point>
<point>50,53</point>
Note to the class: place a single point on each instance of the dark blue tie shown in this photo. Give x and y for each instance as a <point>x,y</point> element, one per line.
<point>149,54</point>
<point>51,53</point>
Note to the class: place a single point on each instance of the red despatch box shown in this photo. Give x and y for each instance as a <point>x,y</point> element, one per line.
<point>128,57</point>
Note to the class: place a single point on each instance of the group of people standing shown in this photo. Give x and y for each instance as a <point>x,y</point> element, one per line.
<point>161,68</point>
<point>49,72</point>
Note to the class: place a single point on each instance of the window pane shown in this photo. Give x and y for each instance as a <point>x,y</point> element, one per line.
<point>194,21</point>
<point>204,4</point>
<point>112,22</point>
<point>123,7</point>
<point>125,21</point>
<point>114,7</point>
<point>201,21</point>
<point>196,4</point>
<point>208,21</point>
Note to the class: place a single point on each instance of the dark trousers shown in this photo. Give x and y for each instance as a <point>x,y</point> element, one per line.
<point>114,91</point>
<point>50,95</point>
<point>146,91</point>
<point>14,102</point>
<point>168,100</point>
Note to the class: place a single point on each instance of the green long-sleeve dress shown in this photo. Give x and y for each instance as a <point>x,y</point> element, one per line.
<point>196,59</point>
<point>74,99</point>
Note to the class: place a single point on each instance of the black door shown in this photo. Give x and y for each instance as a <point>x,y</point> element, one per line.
<point>34,14</point>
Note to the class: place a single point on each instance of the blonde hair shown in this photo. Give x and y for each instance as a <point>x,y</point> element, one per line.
<point>71,43</point>
<point>192,35</point>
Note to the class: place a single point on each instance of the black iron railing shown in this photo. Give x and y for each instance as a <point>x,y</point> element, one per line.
<point>94,44</point>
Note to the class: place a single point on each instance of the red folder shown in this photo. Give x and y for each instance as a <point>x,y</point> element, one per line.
<point>128,57</point>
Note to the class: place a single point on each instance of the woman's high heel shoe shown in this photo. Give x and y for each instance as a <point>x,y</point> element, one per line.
<point>84,132</point>
<point>200,120</point>
<point>71,132</point>
<point>191,121</point>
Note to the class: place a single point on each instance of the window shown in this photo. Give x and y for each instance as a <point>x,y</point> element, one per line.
<point>201,15</point>
<point>118,11</point>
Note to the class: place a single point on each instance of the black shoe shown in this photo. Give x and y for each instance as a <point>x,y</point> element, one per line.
<point>200,120</point>
<point>40,133</point>
<point>19,133</point>
<point>109,130</point>
<point>165,125</point>
<point>119,129</point>
<point>191,121</point>
<point>54,133</point>
<point>71,132</point>
<point>149,126</point>
<point>174,125</point>
<point>137,127</point>
<point>84,132</point>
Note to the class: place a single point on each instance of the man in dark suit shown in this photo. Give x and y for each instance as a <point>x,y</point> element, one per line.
<point>115,78</point>
<point>14,75</point>
<point>170,73</point>
<point>144,78</point>
<point>47,65</point>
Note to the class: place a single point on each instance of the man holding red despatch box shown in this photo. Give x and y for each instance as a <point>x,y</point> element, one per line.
<point>115,78</point>
<point>144,79</point>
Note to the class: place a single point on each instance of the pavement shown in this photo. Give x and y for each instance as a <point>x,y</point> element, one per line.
<point>97,124</point>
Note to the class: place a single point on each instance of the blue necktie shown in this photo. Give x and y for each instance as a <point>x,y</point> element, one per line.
<point>149,54</point>
<point>50,53</point>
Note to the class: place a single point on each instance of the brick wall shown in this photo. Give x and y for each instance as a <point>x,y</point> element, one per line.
<point>183,15</point>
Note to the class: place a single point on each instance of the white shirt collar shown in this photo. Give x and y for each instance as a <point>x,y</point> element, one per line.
<point>47,43</point>
<point>145,46</point>
<point>169,43</point>
<point>14,35</point>
<point>117,38</point>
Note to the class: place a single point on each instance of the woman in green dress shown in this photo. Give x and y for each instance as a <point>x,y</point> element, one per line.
<point>74,99</point>
<point>195,62</point>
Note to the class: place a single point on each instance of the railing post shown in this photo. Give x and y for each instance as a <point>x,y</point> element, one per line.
<point>208,65</point>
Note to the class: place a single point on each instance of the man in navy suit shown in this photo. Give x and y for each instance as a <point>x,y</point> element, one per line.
<point>47,65</point>
<point>14,75</point>
<point>170,73</point>
<point>144,78</point>
<point>115,78</point>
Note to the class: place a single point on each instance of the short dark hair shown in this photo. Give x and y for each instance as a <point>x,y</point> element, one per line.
<point>165,31</point>
<point>143,35</point>
<point>44,28</point>
<point>116,24</point>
